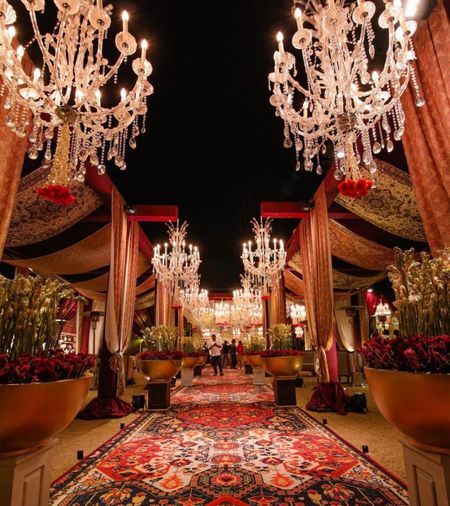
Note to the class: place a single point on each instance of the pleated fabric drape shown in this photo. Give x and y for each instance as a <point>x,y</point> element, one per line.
<point>427,135</point>
<point>12,149</point>
<point>364,320</point>
<point>121,287</point>
<point>318,281</point>
<point>345,334</point>
<point>277,302</point>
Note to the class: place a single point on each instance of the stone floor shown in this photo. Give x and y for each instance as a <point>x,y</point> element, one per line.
<point>359,429</point>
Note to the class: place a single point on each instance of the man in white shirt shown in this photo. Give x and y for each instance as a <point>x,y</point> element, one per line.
<point>215,352</point>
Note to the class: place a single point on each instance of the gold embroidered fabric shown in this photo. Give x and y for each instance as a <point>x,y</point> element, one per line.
<point>357,250</point>
<point>35,219</point>
<point>344,281</point>
<point>293,283</point>
<point>341,280</point>
<point>86,255</point>
<point>147,300</point>
<point>390,206</point>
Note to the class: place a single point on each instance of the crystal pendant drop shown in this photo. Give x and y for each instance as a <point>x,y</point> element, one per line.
<point>376,148</point>
<point>389,146</point>
<point>397,135</point>
<point>94,159</point>
<point>101,169</point>
<point>109,156</point>
<point>367,157</point>
<point>319,170</point>
<point>47,155</point>
<point>308,165</point>
<point>123,166</point>
<point>373,168</point>
<point>287,142</point>
<point>338,175</point>
<point>132,143</point>
<point>419,101</point>
<point>298,166</point>
<point>119,161</point>
<point>33,153</point>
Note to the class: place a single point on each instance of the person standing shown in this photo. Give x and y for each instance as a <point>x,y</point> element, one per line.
<point>215,352</point>
<point>225,353</point>
<point>233,354</point>
<point>240,351</point>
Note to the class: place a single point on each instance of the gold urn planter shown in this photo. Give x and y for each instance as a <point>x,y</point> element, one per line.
<point>190,362</point>
<point>417,404</point>
<point>31,414</point>
<point>284,366</point>
<point>159,370</point>
<point>255,360</point>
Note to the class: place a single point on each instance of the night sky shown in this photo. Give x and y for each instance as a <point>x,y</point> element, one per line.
<point>214,146</point>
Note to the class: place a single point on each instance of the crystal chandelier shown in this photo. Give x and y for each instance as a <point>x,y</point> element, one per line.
<point>222,313</point>
<point>193,296</point>
<point>343,95</point>
<point>202,317</point>
<point>70,122</point>
<point>246,296</point>
<point>264,262</point>
<point>297,312</point>
<point>177,267</point>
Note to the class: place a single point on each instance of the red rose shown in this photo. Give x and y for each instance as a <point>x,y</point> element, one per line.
<point>57,194</point>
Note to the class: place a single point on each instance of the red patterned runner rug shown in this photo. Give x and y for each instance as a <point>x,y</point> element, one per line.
<point>224,442</point>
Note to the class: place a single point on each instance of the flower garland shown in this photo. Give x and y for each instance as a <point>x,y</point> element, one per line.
<point>355,189</point>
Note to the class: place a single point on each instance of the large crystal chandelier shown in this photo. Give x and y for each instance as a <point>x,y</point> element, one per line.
<point>248,295</point>
<point>222,313</point>
<point>264,262</point>
<point>193,297</point>
<point>345,93</point>
<point>70,122</point>
<point>176,266</point>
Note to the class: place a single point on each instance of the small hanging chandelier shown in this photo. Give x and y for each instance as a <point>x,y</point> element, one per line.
<point>264,263</point>
<point>343,95</point>
<point>177,267</point>
<point>297,312</point>
<point>69,123</point>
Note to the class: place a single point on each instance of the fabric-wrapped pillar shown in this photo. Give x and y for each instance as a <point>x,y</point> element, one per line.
<point>120,305</point>
<point>427,135</point>
<point>277,302</point>
<point>317,275</point>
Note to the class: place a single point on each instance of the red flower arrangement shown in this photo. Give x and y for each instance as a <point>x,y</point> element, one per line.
<point>55,366</point>
<point>355,189</point>
<point>414,354</point>
<point>57,194</point>
<point>252,353</point>
<point>194,354</point>
<point>160,355</point>
<point>281,353</point>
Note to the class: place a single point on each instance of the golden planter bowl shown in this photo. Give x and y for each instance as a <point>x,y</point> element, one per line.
<point>244,359</point>
<point>255,360</point>
<point>159,370</point>
<point>418,405</point>
<point>283,367</point>
<point>31,414</point>
<point>202,360</point>
<point>189,362</point>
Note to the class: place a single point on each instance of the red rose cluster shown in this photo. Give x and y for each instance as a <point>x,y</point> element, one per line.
<point>281,353</point>
<point>355,189</point>
<point>53,367</point>
<point>160,355</point>
<point>57,194</point>
<point>194,354</point>
<point>414,354</point>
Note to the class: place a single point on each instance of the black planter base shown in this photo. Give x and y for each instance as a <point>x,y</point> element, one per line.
<point>198,370</point>
<point>284,390</point>
<point>248,369</point>
<point>158,397</point>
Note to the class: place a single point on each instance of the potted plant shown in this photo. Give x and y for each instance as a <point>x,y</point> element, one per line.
<point>409,376</point>
<point>41,388</point>
<point>193,353</point>
<point>160,361</point>
<point>281,360</point>
<point>253,351</point>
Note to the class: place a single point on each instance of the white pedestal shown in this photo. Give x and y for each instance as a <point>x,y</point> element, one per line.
<point>259,376</point>
<point>25,479</point>
<point>187,375</point>
<point>428,476</point>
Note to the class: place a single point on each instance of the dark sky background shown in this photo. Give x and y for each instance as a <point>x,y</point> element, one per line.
<point>213,145</point>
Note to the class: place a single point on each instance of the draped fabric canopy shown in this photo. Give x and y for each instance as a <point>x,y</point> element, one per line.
<point>427,134</point>
<point>345,334</point>
<point>318,282</point>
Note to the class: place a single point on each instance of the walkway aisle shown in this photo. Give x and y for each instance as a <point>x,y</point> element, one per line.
<point>225,443</point>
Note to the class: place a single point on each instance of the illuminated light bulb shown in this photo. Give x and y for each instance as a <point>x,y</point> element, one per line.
<point>125,19</point>
<point>123,94</point>
<point>11,31</point>
<point>144,46</point>
<point>20,51</point>
<point>36,75</point>
<point>299,18</point>
<point>280,43</point>
<point>340,153</point>
<point>98,96</point>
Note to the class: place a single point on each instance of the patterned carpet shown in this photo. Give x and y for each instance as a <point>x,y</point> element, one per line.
<point>225,443</point>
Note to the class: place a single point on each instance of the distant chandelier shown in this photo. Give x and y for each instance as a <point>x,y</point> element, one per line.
<point>176,267</point>
<point>297,312</point>
<point>194,296</point>
<point>344,96</point>
<point>202,317</point>
<point>246,296</point>
<point>64,93</point>
<point>222,313</point>
<point>264,262</point>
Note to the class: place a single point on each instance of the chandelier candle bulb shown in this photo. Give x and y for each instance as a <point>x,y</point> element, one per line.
<point>36,75</point>
<point>20,51</point>
<point>123,95</point>
<point>125,19</point>
<point>144,46</point>
<point>280,43</point>
<point>299,18</point>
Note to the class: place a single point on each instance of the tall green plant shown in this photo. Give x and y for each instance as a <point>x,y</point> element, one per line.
<point>160,338</point>
<point>421,289</point>
<point>280,336</point>
<point>257,343</point>
<point>28,313</point>
<point>192,344</point>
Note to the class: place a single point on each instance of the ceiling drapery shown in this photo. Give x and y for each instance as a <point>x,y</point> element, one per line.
<point>358,250</point>
<point>87,255</point>
<point>35,220</point>
<point>390,206</point>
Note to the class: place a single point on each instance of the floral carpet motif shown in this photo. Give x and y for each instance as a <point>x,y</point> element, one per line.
<point>227,453</point>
